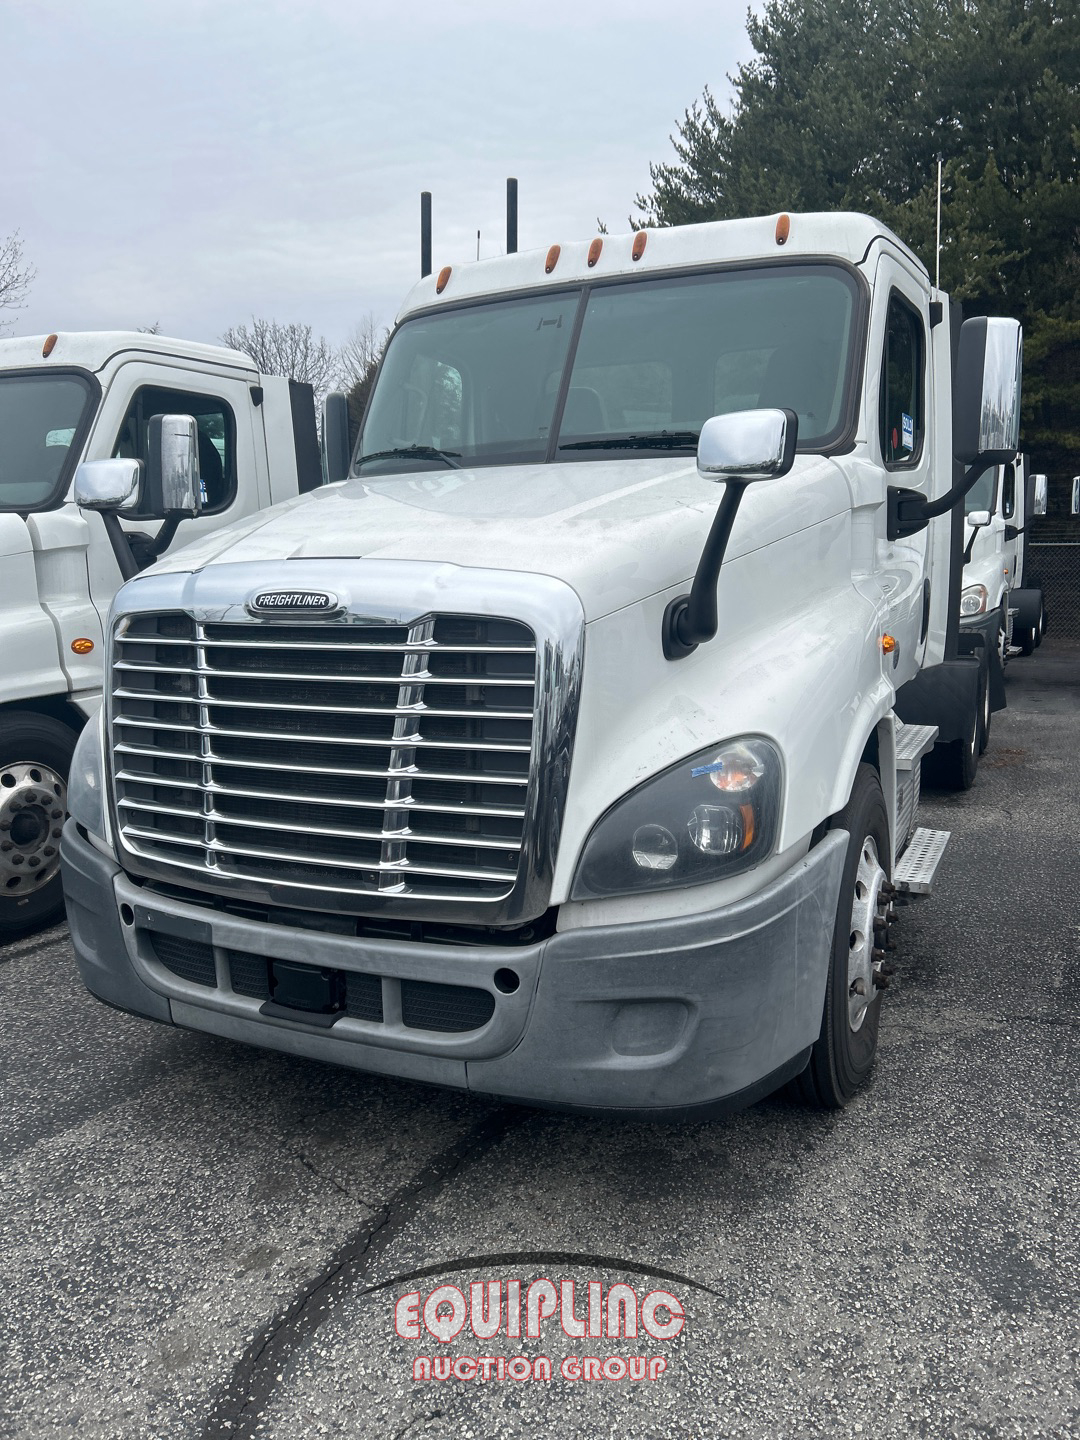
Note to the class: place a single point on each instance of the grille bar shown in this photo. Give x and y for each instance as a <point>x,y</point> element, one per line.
<point>473,842</point>
<point>403,787</point>
<point>493,778</point>
<point>510,812</point>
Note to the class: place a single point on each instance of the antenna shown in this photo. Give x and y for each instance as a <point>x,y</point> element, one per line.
<point>937,273</point>
<point>478,244</point>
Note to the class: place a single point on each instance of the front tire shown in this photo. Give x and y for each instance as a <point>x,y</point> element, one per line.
<point>35,756</point>
<point>843,1055</point>
<point>953,766</point>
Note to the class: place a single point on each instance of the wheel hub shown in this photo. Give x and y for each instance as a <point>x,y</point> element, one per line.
<point>869,913</point>
<point>33,803</point>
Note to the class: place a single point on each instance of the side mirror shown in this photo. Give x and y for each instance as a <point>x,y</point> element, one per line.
<point>745,446</point>
<point>108,485</point>
<point>335,435</point>
<point>1039,494</point>
<point>986,406</point>
<point>173,485</point>
<point>978,518</point>
<point>1075,496</point>
<point>748,445</point>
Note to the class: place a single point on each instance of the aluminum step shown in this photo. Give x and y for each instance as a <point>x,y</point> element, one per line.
<point>916,868</point>
<point>912,743</point>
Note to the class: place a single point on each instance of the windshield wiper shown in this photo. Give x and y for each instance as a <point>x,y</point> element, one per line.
<point>658,440</point>
<point>414,452</point>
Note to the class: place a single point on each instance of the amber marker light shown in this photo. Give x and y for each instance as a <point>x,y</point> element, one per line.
<point>888,644</point>
<point>783,229</point>
<point>47,348</point>
<point>443,280</point>
<point>82,646</point>
<point>640,241</point>
<point>552,259</point>
<point>594,251</point>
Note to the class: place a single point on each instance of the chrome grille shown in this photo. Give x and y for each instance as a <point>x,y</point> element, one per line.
<point>370,760</point>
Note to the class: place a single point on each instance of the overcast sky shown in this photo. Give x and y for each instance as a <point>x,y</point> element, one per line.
<point>198,162</point>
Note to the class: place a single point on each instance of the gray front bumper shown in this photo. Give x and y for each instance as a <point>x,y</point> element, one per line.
<point>659,1017</point>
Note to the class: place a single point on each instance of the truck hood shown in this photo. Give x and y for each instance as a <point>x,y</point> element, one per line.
<point>616,531</point>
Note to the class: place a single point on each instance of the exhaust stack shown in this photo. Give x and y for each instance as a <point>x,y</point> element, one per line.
<point>511,217</point>
<point>425,233</point>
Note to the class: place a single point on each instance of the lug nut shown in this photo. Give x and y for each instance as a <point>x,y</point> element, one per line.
<point>881,981</point>
<point>877,954</point>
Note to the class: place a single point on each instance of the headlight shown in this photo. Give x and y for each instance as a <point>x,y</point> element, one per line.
<point>86,781</point>
<point>973,600</point>
<point>711,816</point>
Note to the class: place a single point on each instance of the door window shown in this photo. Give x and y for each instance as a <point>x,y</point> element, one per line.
<point>217,436</point>
<point>902,409</point>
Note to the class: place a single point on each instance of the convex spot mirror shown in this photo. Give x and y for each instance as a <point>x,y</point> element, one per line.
<point>173,484</point>
<point>748,445</point>
<point>978,518</point>
<point>108,485</point>
<point>986,410</point>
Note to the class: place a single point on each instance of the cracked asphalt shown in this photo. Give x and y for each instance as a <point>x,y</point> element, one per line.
<point>202,1240</point>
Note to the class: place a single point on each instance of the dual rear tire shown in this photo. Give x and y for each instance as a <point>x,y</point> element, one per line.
<point>35,757</point>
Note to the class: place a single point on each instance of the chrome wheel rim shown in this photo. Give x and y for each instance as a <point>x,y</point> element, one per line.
<point>33,803</point>
<point>868,905</point>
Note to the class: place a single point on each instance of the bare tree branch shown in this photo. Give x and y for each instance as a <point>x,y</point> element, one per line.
<point>360,356</point>
<point>16,276</point>
<point>291,350</point>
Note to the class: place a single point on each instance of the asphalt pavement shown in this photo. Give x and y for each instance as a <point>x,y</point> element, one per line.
<point>203,1240</point>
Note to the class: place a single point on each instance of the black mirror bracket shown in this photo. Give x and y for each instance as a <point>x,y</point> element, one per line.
<point>910,511</point>
<point>691,620</point>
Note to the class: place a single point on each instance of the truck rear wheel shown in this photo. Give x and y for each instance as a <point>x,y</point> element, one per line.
<point>843,1055</point>
<point>35,755</point>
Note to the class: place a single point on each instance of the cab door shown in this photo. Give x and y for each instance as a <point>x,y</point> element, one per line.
<point>234,484</point>
<point>899,423</point>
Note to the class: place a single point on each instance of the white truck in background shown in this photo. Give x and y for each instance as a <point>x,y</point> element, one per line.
<point>512,761</point>
<point>86,396</point>
<point>1000,599</point>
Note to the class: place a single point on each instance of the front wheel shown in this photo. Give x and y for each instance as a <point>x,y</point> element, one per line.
<point>35,756</point>
<point>843,1054</point>
<point>953,766</point>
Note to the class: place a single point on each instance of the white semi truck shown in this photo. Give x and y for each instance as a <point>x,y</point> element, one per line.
<point>999,595</point>
<point>69,397</point>
<point>514,761</point>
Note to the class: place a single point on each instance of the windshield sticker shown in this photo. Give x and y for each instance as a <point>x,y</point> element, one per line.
<point>59,437</point>
<point>908,441</point>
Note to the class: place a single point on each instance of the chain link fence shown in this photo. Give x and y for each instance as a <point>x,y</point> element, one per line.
<point>1053,561</point>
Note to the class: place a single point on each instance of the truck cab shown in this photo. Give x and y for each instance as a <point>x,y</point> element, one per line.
<point>567,748</point>
<point>66,399</point>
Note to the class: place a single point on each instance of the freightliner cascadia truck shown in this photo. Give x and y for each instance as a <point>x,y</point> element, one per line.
<point>69,397</point>
<point>567,748</point>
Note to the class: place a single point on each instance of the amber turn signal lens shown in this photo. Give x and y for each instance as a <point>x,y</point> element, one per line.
<point>47,348</point>
<point>888,644</point>
<point>82,646</point>
<point>443,280</point>
<point>783,229</point>
<point>552,259</point>
<point>640,241</point>
<point>594,251</point>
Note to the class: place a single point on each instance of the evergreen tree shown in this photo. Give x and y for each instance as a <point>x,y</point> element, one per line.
<point>847,104</point>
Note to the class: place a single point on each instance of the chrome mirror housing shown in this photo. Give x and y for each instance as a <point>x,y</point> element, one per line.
<point>1039,495</point>
<point>986,418</point>
<point>978,518</point>
<point>174,485</point>
<point>748,445</point>
<point>1075,510</point>
<point>108,485</point>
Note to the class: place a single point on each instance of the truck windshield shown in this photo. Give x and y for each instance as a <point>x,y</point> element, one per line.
<point>40,416</point>
<point>504,381</point>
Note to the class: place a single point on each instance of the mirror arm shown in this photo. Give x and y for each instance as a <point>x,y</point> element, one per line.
<point>164,537</point>
<point>910,511</point>
<point>121,546</point>
<point>971,543</point>
<point>691,620</point>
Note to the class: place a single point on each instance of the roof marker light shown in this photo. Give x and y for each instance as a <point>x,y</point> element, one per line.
<point>594,251</point>
<point>552,259</point>
<point>443,280</point>
<point>783,229</point>
<point>640,241</point>
<point>47,348</point>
